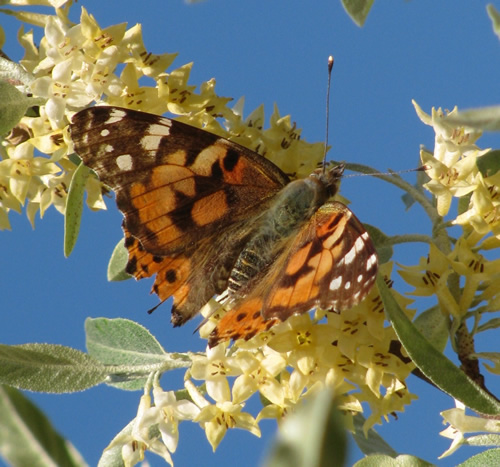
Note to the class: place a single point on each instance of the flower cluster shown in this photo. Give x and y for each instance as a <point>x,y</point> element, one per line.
<point>76,65</point>
<point>461,273</point>
<point>453,170</point>
<point>348,352</point>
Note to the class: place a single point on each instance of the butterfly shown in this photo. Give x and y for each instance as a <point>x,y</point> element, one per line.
<point>207,217</point>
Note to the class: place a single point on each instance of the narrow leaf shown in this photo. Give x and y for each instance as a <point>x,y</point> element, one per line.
<point>433,364</point>
<point>74,208</point>
<point>380,460</point>
<point>48,368</point>
<point>27,436</point>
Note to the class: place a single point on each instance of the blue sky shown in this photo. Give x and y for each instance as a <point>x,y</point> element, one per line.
<point>270,52</point>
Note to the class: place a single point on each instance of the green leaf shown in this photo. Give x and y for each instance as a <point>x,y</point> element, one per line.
<point>495,18</point>
<point>121,342</point>
<point>14,73</point>
<point>27,436</point>
<point>380,460</point>
<point>313,436</point>
<point>117,263</point>
<point>433,326</point>
<point>74,208</point>
<point>112,456</point>
<point>490,457</point>
<point>358,10</point>
<point>489,164</point>
<point>382,243</point>
<point>13,106</point>
<point>373,442</point>
<point>433,364</point>
<point>483,440</point>
<point>484,118</point>
<point>48,368</point>
<point>126,343</point>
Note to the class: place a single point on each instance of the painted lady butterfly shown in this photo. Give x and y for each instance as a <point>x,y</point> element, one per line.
<point>208,216</point>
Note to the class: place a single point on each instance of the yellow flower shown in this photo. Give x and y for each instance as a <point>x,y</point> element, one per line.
<point>430,277</point>
<point>259,374</point>
<point>217,418</point>
<point>214,368</point>
<point>461,424</point>
<point>453,169</point>
<point>483,213</point>
<point>480,273</point>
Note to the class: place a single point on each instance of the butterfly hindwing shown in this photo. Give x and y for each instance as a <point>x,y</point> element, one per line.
<point>331,264</point>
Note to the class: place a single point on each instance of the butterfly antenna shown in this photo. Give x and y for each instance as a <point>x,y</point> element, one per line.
<point>330,66</point>
<point>157,305</point>
<point>422,168</point>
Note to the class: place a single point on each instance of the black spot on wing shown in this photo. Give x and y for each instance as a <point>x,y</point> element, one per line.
<point>129,241</point>
<point>131,266</point>
<point>231,159</point>
<point>171,276</point>
<point>216,171</point>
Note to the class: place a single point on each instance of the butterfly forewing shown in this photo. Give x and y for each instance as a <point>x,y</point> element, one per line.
<point>173,182</point>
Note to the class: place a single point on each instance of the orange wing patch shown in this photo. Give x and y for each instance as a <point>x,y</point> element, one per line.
<point>172,274</point>
<point>243,322</point>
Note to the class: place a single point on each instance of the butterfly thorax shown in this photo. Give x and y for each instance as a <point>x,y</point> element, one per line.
<point>293,206</point>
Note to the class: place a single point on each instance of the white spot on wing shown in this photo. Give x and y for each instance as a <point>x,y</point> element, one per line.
<point>360,278</point>
<point>350,255</point>
<point>372,261</point>
<point>105,132</point>
<point>115,115</point>
<point>359,244</point>
<point>124,162</point>
<point>335,283</point>
<point>151,142</point>
<point>160,130</point>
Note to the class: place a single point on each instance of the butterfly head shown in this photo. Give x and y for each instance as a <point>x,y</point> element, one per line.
<point>329,178</point>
